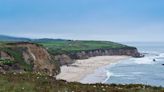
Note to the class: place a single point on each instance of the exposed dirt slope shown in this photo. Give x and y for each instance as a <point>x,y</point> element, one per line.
<point>27,56</point>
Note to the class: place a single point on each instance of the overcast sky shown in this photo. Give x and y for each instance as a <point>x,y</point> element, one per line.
<point>114,20</point>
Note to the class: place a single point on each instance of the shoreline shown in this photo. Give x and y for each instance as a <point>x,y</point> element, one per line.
<point>77,71</point>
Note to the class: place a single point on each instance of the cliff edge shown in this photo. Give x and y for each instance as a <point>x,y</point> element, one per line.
<point>65,59</point>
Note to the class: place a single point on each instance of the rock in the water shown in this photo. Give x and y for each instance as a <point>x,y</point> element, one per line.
<point>154,60</point>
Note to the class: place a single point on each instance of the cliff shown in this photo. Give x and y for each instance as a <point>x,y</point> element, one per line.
<point>67,51</point>
<point>70,57</point>
<point>27,57</point>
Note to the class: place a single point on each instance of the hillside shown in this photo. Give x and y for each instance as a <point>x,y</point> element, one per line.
<point>26,57</point>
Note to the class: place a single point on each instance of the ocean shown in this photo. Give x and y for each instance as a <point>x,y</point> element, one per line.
<point>147,70</point>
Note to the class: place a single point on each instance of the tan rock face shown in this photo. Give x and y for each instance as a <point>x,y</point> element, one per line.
<point>39,58</point>
<point>36,56</point>
<point>66,59</point>
<point>6,55</point>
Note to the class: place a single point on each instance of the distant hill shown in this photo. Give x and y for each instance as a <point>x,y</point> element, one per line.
<point>13,39</point>
<point>4,38</point>
<point>46,40</point>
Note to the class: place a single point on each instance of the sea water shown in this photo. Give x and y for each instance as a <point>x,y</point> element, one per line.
<point>147,70</point>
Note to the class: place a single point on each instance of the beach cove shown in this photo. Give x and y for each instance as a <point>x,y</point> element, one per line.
<point>77,71</point>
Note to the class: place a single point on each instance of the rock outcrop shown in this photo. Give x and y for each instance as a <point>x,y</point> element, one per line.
<point>5,55</point>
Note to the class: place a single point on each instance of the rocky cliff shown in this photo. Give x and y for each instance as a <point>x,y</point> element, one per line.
<point>69,58</point>
<point>27,57</point>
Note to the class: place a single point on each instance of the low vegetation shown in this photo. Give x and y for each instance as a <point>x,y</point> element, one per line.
<point>6,62</point>
<point>30,82</point>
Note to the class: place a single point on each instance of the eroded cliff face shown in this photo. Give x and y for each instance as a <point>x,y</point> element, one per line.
<point>29,55</point>
<point>64,59</point>
<point>69,58</point>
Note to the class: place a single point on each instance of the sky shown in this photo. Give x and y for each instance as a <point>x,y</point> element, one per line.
<point>113,20</point>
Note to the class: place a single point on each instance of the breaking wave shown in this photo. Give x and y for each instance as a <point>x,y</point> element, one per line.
<point>109,74</point>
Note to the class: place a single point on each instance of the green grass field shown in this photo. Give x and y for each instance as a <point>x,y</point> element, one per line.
<point>60,47</point>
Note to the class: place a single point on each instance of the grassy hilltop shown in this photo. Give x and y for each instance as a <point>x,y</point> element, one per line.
<point>60,46</point>
<point>67,46</point>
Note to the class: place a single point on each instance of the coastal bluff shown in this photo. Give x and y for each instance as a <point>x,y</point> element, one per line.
<point>25,56</point>
<point>38,57</point>
<point>71,57</point>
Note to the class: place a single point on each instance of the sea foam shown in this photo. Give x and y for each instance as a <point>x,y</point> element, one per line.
<point>161,55</point>
<point>109,74</point>
<point>146,60</point>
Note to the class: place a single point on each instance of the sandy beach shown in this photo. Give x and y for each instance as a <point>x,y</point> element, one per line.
<point>78,70</point>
